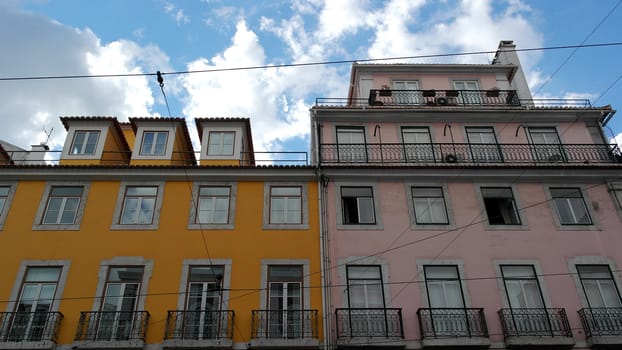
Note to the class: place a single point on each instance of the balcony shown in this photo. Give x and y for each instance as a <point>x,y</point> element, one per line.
<point>443,98</point>
<point>284,329</point>
<point>465,153</point>
<point>536,328</point>
<point>199,329</point>
<point>29,330</point>
<point>369,326</point>
<point>453,327</point>
<point>112,329</point>
<point>603,326</point>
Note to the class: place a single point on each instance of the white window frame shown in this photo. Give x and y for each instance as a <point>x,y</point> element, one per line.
<point>38,224</point>
<point>411,208</point>
<point>119,207</point>
<point>8,199</point>
<point>151,152</point>
<point>263,293</point>
<point>593,225</point>
<point>194,202</point>
<point>122,261</point>
<point>304,202</point>
<point>538,271</point>
<point>286,198</point>
<point>591,260</point>
<point>442,196</point>
<point>614,187</point>
<point>87,134</point>
<point>376,202</point>
<point>170,140</point>
<point>21,274</point>
<point>221,149</point>
<point>91,126</point>
<point>185,274</point>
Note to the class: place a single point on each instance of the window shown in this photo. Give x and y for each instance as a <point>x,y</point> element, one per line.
<point>285,303</point>
<point>139,205</point>
<point>154,143</point>
<point>522,286</point>
<point>84,142</point>
<point>213,205</point>
<point>285,205</point>
<point>405,92</point>
<point>62,205</point>
<point>365,286</point>
<point>483,144</point>
<point>417,144</point>
<point>4,195</point>
<point>33,309</point>
<point>358,206</point>
<point>599,286</point>
<point>203,303</point>
<point>570,206</point>
<point>546,144</point>
<point>469,91</point>
<point>351,145</point>
<point>220,143</point>
<point>429,205</point>
<point>119,305</point>
<point>443,286</point>
<point>500,206</point>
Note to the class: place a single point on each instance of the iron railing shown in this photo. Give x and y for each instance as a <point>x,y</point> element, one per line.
<point>29,326</point>
<point>385,153</point>
<point>284,324</point>
<point>369,322</point>
<point>199,325</point>
<point>601,321</point>
<point>534,322</point>
<point>443,97</point>
<point>452,322</point>
<point>112,325</point>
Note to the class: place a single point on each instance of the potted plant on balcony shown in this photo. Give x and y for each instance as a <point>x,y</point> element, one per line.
<point>492,92</point>
<point>385,91</point>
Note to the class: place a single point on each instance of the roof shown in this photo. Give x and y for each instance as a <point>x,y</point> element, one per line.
<point>5,155</point>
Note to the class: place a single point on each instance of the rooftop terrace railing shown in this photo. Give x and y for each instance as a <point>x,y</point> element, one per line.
<point>413,153</point>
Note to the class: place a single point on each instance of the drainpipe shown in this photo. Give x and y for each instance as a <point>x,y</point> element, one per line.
<point>377,128</point>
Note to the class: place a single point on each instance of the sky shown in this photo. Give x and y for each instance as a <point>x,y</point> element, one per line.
<point>77,37</point>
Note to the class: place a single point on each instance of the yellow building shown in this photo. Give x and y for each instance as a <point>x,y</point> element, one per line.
<point>132,241</point>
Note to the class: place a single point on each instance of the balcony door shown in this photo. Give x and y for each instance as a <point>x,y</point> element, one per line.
<point>367,316</point>
<point>417,144</point>
<point>446,301</point>
<point>598,286</point>
<point>529,315</point>
<point>407,92</point>
<point>546,145</point>
<point>483,145</point>
<point>203,303</point>
<point>285,310</point>
<point>469,93</point>
<point>351,146</point>
<point>35,301</point>
<point>120,299</point>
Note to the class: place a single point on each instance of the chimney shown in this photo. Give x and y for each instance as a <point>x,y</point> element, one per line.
<point>506,54</point>
<point>37,153</point>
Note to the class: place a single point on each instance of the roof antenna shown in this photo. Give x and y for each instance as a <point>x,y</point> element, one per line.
<point>48,134</point>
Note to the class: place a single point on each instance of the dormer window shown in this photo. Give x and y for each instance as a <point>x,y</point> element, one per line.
<point>154,143</point>
<point>220,143</point>
<point>84,142</point>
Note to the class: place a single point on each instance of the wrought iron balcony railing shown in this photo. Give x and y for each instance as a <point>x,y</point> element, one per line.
<point>601,321</point>
<point>452,322</point>
<point>112,325</point>
<point>29,326</point>
<point>199,325</point>
<point>443,97</point>
<point>284,324</point>
<point>534,322</point>
<point>412,153</point>
<point>369,322</point>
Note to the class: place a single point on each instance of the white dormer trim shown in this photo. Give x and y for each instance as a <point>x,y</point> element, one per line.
<point>238,128</point>
<point>146,127</point>
<point>103,127</point>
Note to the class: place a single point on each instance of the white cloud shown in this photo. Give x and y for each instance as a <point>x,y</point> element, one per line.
<point>55,49</point>
<point>176,13</point>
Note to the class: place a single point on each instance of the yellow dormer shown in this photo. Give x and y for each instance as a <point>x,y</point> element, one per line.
<point>226,141</point>
<point>161,141</point>
<point>94,141</point>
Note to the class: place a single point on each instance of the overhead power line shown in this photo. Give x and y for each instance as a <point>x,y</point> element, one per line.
<point>287,65</point>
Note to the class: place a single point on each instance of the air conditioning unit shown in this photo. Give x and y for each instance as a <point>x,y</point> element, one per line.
<point>442,101</point>
<point>554,158</point>
<point>451,158</point>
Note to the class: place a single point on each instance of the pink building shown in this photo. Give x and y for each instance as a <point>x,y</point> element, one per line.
<point>460,212</point>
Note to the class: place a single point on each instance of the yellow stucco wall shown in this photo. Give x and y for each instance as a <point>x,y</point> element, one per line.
<point>168,246</point>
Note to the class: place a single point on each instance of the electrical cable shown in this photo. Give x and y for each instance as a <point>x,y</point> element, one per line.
<point>319,63</point>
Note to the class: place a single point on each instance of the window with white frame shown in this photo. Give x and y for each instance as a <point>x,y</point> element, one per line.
<point>468,91</point>
<point>429,204</point>
<point>203,303</point>
<point>285,302</point>
<point>351,145</point>
<point>120,300</point>
<point>285,205</point>
<point>4,196</point>
<point>570,206</point>
<point>84,142</point>
<point>500,206</point>
<point>483,144</point>
<point>405,92</point>
<point>357,204</point>
<point>154,143</point>
<point>139,205</point>
<point>62,205</point>
<point>220,143</point>
<point>443,286</point>
<point>33,320</point>
<point>599,286</point>
<point>365,288</point>
<point>213,205</point>
<point>417,144</point>
<point>546,144</point>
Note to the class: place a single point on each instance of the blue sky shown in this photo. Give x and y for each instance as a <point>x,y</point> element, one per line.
<point>76,37</point>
